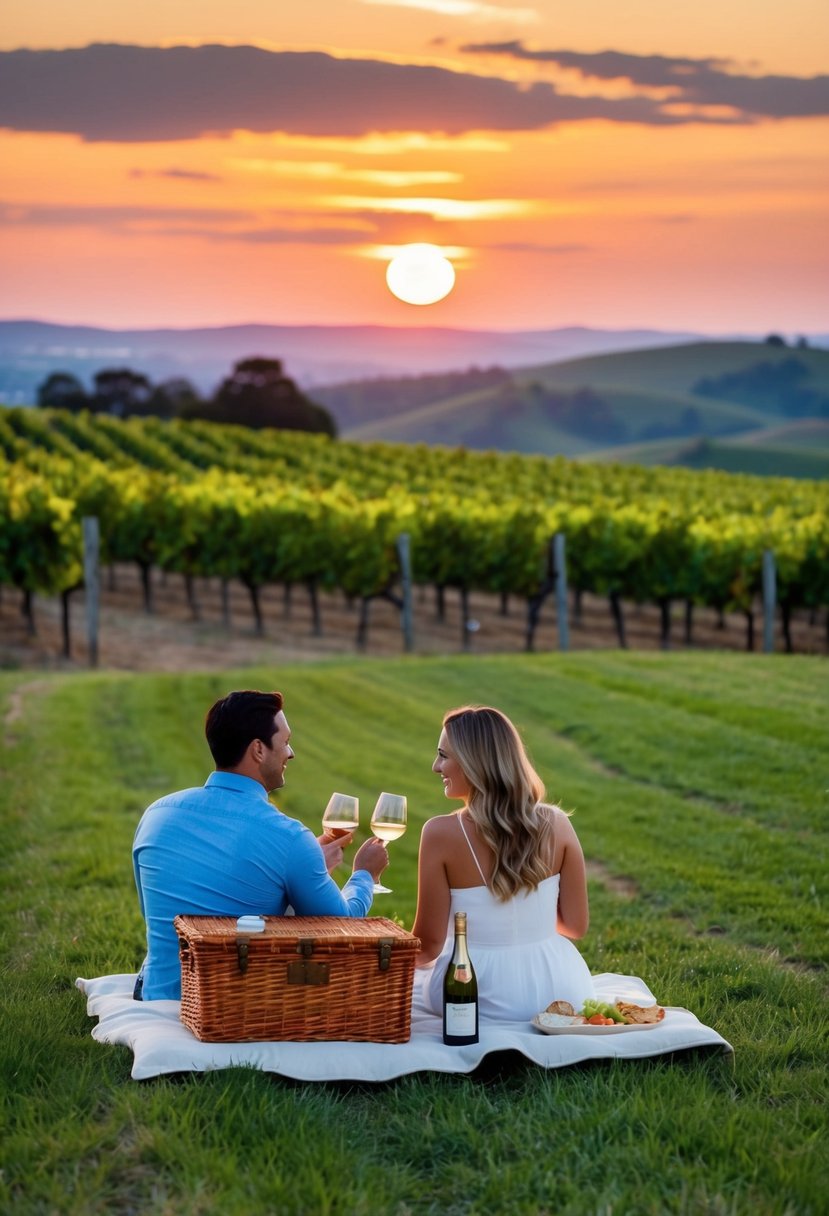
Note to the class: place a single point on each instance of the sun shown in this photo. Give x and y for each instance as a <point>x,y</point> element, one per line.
<point>420,274</point>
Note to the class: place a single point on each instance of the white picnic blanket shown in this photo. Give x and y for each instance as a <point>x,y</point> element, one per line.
<point>160,1043</point>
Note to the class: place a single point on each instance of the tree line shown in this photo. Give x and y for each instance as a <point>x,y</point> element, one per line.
<point>782,387</point>
<point>256,394</point>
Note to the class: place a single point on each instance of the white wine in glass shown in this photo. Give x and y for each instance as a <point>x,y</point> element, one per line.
<point>388,822</point>
<point>342,815</point>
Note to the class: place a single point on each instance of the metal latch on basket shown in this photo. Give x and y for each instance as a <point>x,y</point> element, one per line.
<point>307,972</point>
<point>242,953</point>
<point>384,952</point>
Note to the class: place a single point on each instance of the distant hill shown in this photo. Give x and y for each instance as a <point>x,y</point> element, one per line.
<point>676,368</point>
<point>312,354</point>
<point>643,406</point>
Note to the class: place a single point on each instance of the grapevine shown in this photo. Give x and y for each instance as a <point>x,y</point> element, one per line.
<point>264,507</point>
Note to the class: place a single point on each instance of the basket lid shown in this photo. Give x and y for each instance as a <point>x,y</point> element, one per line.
<point>322,928</point>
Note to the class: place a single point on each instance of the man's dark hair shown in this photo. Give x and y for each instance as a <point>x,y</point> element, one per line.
<point>236,720</point>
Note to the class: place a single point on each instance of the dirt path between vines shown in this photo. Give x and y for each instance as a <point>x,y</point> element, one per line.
<point>172,639</point>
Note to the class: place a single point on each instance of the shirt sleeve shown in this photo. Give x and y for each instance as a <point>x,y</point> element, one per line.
<point>311,889</point>
<point>136,870</point>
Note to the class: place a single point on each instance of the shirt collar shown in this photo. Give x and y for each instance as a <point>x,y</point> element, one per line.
<point>235,781</point>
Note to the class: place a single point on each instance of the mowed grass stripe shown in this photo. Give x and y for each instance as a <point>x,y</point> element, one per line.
<point>772,695</point>
<point>683,748</point>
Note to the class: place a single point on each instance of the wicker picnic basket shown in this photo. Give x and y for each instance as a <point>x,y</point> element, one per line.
<point>303,978</point>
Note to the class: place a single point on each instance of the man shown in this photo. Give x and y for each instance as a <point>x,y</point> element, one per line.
<point>223,849</point>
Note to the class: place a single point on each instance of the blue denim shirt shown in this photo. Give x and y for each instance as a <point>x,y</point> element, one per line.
<point>222,849</point>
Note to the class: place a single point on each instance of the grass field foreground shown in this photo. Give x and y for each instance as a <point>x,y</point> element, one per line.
<point>699,790</point>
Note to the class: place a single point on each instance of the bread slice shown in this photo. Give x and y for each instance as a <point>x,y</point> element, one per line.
<point>562,1007</point>
<point>640,1015</point>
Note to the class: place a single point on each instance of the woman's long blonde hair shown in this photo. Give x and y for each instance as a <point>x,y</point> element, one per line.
<point>506,797</point>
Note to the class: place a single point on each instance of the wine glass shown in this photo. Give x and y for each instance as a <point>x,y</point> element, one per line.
<point>388,822</point>
<point>342,815</point>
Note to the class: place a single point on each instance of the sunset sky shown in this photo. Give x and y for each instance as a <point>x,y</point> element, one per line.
<point>190,162</point>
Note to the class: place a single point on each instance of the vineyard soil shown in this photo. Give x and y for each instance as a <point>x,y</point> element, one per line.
<point>178,636</point>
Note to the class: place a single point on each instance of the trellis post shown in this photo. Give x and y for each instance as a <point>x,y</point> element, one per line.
<point>769,600</point>
<point>405,556</point>
<point>560,567</point>
<point>91,578</point>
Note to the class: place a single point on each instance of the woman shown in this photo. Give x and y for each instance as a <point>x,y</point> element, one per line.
<point>513,864</point>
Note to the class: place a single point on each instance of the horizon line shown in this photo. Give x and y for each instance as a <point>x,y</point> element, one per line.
<point>732,334</point>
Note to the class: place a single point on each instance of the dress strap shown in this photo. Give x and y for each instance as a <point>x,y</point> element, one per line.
<point>472,851</point>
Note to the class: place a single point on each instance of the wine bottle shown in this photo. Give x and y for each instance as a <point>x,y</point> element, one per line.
<point>460,992</point>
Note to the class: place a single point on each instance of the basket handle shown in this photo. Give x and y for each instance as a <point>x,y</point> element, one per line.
<point>185,953</point>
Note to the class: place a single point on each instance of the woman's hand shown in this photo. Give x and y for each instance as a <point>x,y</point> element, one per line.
<point>373,856</point>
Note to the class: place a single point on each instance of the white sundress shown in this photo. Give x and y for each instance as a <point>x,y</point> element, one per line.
<point>521,961</point>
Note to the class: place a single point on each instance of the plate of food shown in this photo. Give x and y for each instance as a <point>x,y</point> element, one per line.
<point>597,1017</point>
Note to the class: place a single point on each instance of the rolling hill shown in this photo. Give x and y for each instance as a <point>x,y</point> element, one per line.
<point>732,405</point>
<point>674,368</point>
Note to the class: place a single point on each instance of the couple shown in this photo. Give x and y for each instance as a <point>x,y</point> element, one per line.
<point>513,863</point>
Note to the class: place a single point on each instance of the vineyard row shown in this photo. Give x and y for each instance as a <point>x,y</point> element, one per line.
<point>290,508</point>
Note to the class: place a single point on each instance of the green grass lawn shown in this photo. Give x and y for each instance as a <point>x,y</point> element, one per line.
<point>700,792</point>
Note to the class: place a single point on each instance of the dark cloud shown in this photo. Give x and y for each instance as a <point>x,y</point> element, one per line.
<point>130,93</point>
<point>696,82</point>
<point>113,217</point>
<point>187,175</point>
<point>225,225</point>
<point>530,247</point>
<point>272,235</point>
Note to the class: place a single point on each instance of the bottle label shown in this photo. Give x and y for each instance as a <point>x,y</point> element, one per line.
<point>460,1019</point>
<point>462,974</point>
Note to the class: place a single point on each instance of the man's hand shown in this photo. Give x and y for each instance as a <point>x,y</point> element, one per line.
<point>373,856</point>
<point>332,848</point>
